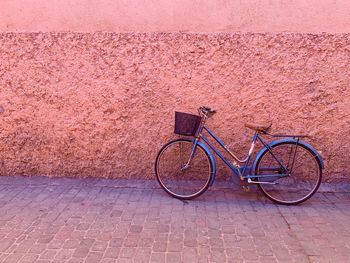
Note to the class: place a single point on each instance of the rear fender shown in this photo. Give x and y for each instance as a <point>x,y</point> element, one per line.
<point>264,149</point>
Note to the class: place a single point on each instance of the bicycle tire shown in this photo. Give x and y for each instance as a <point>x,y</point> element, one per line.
<point>304,169</point>
<point>183,184</point>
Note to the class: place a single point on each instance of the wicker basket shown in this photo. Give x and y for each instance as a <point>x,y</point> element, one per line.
<point>186,124</point>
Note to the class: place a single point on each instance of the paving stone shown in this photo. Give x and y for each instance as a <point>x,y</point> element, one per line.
<point>55,244</point>
<point>14,257</point>
<point>64,254</point>
<point>112,252</point>
<point>99,246</point>
<point>108,260</point>
<point>143,255</point>
<point>45,239</point>
<point>3,256</point>
<point>249,254</point>
<point>29,258</point>
<point>6,244</point>
<point>160,246</point>
<point>127,252</point>
<point>94,257</point>
<point>71,243</point>
<point>87,242</point>
<point>81,252</point>
<point>48,254</point>
<point>233,252</point>
<point>124,260</point>
<point>145,242</point>
<point>217,255</point>
<point>157,257</point>
<point>116,242</point>
<point>131,240</point>
<point>190,255</point>
<point>82,220</point>
<point>104,236</point>
<point>37,248</point>
<point>136,229</point>
<point>76,260</point>
<point>173,257</point>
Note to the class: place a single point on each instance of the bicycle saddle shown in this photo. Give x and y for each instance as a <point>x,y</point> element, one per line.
<point>258,128</point>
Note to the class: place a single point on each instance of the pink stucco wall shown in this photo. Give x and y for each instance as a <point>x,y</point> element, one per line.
<point>176,15</point>
<point>89,103</point>
<point>102,104</point>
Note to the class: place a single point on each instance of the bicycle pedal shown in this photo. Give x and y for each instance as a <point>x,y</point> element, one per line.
<point>245,188</point>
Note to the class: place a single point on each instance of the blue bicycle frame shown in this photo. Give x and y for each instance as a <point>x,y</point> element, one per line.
<point>288,157</point>
<point>241,171</point>
<point>234,167</point>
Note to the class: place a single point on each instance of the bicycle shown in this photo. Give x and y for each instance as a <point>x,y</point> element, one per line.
<point>288,171</point>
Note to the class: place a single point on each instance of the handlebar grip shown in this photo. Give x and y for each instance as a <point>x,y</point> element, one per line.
<point>208,109</point>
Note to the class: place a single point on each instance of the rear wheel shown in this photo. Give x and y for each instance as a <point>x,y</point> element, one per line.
<point>177,180</point>
<point>288,174</point>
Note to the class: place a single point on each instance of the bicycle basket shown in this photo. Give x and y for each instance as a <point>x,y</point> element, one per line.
<point>186,124</point>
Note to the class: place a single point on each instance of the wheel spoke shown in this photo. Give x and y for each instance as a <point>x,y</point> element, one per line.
<point>304,178</point>
<point>183,183</point>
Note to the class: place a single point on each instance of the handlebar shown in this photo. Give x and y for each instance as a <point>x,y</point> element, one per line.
<point>206,111</point>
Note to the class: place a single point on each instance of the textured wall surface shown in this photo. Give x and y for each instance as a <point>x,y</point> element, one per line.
<point>74,104</point>
<point>315,16</point>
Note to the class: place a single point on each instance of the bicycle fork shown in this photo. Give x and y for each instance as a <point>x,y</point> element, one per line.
<point>193,150</point>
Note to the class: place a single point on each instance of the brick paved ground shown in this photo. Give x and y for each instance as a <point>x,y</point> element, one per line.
<point>90,220</point>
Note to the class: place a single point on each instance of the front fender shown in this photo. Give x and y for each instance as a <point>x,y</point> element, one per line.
<point>264,149</point>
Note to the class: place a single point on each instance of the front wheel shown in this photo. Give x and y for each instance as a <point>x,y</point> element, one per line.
<point>177,179</point>
<point>288,173</point>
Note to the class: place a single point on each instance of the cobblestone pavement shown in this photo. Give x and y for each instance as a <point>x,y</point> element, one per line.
<point>96,220</point>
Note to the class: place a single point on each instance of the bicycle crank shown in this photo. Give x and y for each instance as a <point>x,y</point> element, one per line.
<point>257,182</point>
